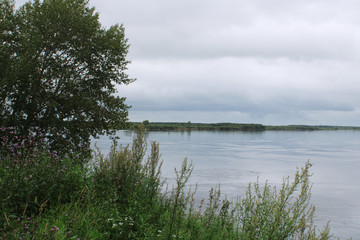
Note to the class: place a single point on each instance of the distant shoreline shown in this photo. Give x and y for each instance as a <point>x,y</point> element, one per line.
<point>189,126</point>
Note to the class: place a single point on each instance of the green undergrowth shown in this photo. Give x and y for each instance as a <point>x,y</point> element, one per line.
<point>122,196</point>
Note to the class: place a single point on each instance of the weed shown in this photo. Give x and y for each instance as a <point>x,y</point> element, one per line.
<point>46,196</point>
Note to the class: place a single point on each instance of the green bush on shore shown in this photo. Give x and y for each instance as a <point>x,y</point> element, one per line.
<point>122,196</point>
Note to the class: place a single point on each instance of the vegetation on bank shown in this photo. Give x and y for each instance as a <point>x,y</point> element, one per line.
<point>122,196</point>
<point>189,126</point>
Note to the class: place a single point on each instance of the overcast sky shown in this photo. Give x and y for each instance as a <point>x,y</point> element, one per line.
<point>257,61</point>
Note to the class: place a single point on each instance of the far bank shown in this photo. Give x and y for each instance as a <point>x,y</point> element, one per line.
<point>189,126</point>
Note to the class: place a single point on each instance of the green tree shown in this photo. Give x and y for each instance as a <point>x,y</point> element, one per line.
<point>59,72</point>
<point>146,123</point>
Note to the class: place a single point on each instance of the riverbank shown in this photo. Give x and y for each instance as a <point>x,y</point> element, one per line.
<point>123,196</point>
<point>189,126</point>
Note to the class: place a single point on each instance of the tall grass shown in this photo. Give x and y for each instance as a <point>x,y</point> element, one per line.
<point>122,196</point>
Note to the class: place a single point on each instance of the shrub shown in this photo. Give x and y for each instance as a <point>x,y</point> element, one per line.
<point>143,211</point>
<point>268,213</point>
<point>44,196</point>
<point>132,183</point>
<point>32,177</point>
<point>262,213</point>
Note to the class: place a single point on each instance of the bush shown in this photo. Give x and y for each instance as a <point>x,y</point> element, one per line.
<point>133,184</point>
<point>145,212</point>
<point>32,177</point>
<point>45,196</point>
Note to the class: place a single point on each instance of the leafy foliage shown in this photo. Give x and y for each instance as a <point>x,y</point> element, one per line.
<point>33,178</point>
<point>59,70</point>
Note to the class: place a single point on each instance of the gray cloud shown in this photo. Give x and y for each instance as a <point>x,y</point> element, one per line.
<point>238,84</point>
<point>272,62</point>
<point>203,29</point>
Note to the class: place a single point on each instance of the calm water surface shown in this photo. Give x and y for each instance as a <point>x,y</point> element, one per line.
<point>234,159</point>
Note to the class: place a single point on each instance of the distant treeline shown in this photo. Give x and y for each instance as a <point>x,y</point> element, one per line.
<point>189,126</point>
<point>310,128</point>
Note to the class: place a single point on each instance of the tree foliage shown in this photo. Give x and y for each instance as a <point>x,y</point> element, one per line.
<point>59,71</point>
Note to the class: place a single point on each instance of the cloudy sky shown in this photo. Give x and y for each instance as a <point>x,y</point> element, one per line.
<point>248,61</point>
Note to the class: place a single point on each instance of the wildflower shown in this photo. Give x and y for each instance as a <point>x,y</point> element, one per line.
<point>25,178</point>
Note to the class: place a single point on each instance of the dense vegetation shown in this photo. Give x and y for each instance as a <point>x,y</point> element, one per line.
<point>189,126</point>
<point>59,71</point>
<point>122,196</point>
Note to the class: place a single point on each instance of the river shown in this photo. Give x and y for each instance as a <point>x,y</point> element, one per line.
<point>234,159</point>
